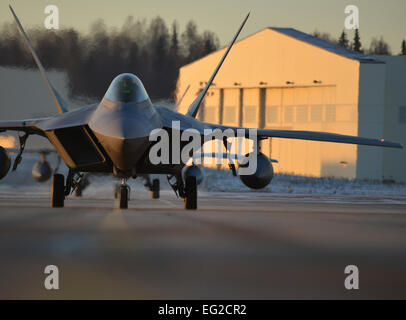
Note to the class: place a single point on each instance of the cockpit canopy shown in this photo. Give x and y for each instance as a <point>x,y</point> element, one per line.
<point>126,87</point>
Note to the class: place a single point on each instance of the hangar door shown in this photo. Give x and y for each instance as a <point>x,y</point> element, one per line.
<point>250,117</point>
<point>298,108</point>
<point>231,107</point>
<point>211,112</point>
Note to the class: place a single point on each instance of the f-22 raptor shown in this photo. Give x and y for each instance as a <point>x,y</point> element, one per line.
<point>113,137</point>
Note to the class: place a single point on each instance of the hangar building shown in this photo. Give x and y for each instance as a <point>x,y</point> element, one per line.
<point>281,78</point>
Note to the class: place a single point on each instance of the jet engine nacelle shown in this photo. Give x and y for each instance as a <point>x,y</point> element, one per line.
<point>194,171</point>
<point>42,171</point>
<point>262,176</point>
<point>5,162</point>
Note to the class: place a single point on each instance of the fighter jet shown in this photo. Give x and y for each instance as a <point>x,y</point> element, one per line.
<point>113,137</point>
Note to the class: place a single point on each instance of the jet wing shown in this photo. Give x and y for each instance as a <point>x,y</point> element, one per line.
<point>29,126</point>
<point>188,122</point>
<point>77,117</point>
<point>312,135</point>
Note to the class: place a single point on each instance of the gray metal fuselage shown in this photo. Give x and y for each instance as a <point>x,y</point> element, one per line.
<point>123,129</point>
<point>113,136</point>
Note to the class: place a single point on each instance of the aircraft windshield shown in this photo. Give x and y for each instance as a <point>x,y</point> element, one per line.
<point>126,88</point>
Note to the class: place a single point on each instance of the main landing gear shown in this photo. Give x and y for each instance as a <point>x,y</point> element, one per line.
<point>58,191</point>
<point>153,186</point>
<point>187,191</point>
<point>190,198</point>
<point>155,189</point>
<point>74,181</point>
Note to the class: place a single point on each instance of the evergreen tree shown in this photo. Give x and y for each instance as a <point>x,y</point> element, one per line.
<point>343,40</point>
<point>91,61</point>
<point>174,49</point>
<point>403,52</point>
<point>356,45</point>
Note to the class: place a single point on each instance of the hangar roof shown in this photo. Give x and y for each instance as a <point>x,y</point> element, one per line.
<point>326,45</point>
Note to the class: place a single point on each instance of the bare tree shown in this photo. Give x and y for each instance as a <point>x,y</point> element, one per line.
<point>379,47</point>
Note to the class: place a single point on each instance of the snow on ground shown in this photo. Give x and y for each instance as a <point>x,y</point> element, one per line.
<point>21,181</point>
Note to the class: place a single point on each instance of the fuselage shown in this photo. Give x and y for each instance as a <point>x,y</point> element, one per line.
<point>123,122</point>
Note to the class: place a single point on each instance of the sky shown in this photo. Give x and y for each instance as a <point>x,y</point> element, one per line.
<point>377,17</point>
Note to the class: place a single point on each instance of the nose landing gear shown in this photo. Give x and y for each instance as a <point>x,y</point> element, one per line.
<point>124,193</point>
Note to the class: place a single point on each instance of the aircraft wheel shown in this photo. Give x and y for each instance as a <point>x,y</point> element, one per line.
<point>190,193</point>
<point>155,189</point>
<point>58,191</point>
<point>123,197</point>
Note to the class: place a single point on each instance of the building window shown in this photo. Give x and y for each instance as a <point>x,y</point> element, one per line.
<point>302,114</point>
<point>402,114</point>
<point>250,114</point>
<point>330,113</point>
<point>210,114</point>
<point>229,114</point>
<point>272,114</point>
<point>288,112</point>
<point>316,113</point>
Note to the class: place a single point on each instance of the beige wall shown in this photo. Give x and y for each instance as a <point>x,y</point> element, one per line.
<point>271,57</point>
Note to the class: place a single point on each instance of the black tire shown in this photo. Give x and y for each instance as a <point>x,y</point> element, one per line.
<point>155,189</point>
<point>190,193</point>
<point>58,191</point>
<point>123,197</point>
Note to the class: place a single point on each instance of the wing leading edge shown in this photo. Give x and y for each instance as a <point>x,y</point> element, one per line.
<point>28,126</point>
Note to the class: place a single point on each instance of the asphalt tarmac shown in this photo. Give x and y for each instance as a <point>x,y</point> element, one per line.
<point>235,246</point>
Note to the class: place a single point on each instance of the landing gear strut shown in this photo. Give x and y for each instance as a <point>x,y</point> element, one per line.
<point>75,181</point>
<point>124,192</point>
<point>187,191</point>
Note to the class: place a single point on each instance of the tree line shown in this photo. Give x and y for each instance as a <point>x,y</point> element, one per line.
<point>150,49</point>
<point>378,46</point>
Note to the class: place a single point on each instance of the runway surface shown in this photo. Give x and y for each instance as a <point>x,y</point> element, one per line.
<point>235,246</point>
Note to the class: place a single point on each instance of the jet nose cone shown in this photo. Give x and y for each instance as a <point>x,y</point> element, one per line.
<point>123,130</point>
